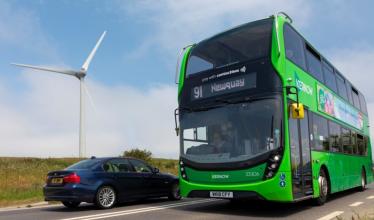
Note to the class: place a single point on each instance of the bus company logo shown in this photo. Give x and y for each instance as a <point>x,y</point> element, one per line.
<point>302,86</point>
<point>220,176</point>
<point>218,87</point>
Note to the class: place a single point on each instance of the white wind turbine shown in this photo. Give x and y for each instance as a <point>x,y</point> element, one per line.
<point>80,74</point>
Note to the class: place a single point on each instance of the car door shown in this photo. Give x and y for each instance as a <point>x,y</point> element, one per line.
<point>154,182</point>
<point>125,177</point>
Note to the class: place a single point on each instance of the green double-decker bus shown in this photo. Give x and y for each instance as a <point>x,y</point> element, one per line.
<point>263,115</point>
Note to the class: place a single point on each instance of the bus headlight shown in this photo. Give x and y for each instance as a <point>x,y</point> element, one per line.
<point>272,165</point>
<point>182,170</point>
<point>276,158</point>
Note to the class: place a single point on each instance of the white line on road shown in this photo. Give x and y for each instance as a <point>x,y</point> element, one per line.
<point>370,197</point>
<point>356,204</point>
<point>331,215</point>
<point>140,210</point>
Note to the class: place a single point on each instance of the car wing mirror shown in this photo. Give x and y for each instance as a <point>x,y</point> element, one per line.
<point>155,170</point>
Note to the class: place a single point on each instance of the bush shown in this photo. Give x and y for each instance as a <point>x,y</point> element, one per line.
<point>145,155</point>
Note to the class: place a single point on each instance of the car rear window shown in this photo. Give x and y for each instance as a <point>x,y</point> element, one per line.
<point>84,164</point>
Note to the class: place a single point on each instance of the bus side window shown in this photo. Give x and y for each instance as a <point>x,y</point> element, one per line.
<point>342,89</point>
<point>366,145</point>
<point>360,144</point>
<point>334,137</point>
<point>294,46</point>
<point>363,104</point>
<point>349,92</point>
<point>320,133</point>
<point>353,146</point>
<point>356,100</point>
<point>329,76</point>
<point>346,140</point>
<point>314,63</point>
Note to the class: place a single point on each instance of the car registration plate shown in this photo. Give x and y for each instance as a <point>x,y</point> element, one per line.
<point>57,180</point>
<point>221,194</point>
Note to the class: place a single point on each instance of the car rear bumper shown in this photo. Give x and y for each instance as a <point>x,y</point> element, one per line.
<point>69,192</point>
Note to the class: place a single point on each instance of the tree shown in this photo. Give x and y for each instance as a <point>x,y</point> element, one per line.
<point>144,154</point>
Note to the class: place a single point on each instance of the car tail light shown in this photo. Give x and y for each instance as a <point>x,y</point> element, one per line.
<point>72,178</point>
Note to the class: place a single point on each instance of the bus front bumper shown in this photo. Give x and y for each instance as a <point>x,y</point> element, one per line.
<point>272,189</point>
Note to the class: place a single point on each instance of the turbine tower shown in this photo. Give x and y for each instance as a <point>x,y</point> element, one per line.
<point>79,74</point>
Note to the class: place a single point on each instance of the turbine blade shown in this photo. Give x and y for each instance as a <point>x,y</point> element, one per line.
<point>92,54</point>
<point>48,69</point>
<point>89,97</point>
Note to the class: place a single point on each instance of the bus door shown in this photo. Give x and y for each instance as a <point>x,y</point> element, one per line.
<point>300,157</point>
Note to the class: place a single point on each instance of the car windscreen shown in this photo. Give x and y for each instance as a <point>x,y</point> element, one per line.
<point>84,164</point>
<point>246,42</point>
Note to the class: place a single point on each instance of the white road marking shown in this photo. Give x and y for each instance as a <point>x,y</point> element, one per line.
<point>140,210</point>
<point>331,215</point>
<point>370,197</point>
<point>356,204</point>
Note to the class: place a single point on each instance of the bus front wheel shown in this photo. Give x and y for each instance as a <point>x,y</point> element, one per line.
<point>363,180</point>
<point>323,183</point>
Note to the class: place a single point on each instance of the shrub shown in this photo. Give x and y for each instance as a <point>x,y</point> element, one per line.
<point>144,154</point>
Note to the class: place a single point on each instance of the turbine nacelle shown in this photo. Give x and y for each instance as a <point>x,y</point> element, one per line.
<point>80,74</point>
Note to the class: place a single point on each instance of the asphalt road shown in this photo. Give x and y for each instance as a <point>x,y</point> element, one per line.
<point>345,205</point>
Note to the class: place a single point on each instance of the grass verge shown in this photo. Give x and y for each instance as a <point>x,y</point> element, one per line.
<point>22,179</point>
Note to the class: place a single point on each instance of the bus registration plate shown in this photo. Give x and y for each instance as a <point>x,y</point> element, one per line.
<point>220,194</point>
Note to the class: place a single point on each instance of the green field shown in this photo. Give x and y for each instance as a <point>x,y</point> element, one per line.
<point>22,179</point>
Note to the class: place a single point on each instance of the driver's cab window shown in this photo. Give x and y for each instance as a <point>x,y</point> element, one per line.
<point>117,166</point>
<point>141,167</point>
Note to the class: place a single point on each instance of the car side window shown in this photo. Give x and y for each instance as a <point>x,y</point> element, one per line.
<point>117,165</point>
<point>140,167</point>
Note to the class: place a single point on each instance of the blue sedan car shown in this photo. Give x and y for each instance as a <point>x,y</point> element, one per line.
<point>107,181</point>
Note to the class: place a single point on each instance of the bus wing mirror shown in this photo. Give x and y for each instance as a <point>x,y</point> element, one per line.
<point>176,114</point>
<point>297,110</point>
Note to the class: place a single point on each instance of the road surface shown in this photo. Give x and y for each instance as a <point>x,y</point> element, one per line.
<point>344,204</point>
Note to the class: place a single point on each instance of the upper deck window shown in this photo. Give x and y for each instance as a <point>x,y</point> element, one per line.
<point>294,46</point>
<point>330,79</point>
<point>247,42</point>
<point>314,63</point>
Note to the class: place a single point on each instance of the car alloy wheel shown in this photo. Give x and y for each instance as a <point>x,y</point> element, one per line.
<point>106,197</point>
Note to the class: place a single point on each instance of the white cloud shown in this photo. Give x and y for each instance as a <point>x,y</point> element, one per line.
<point>44,120</point>
<point>175,24</point>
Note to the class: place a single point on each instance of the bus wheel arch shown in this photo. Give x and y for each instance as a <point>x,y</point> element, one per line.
<point>324,185</point>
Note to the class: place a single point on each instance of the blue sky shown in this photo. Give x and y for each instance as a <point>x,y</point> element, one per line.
<point>131,78</point>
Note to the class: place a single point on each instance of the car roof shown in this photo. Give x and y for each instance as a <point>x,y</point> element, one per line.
<point>110,158</point>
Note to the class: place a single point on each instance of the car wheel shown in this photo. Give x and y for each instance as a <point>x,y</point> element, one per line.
<point>106,197</point>
<point>174,193</point>
<point>363,181</point>
<point>71,204</point>
<point>323,184</point>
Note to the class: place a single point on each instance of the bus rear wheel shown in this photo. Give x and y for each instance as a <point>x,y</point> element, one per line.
<point>323,184</point>
<point>363,180</point>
